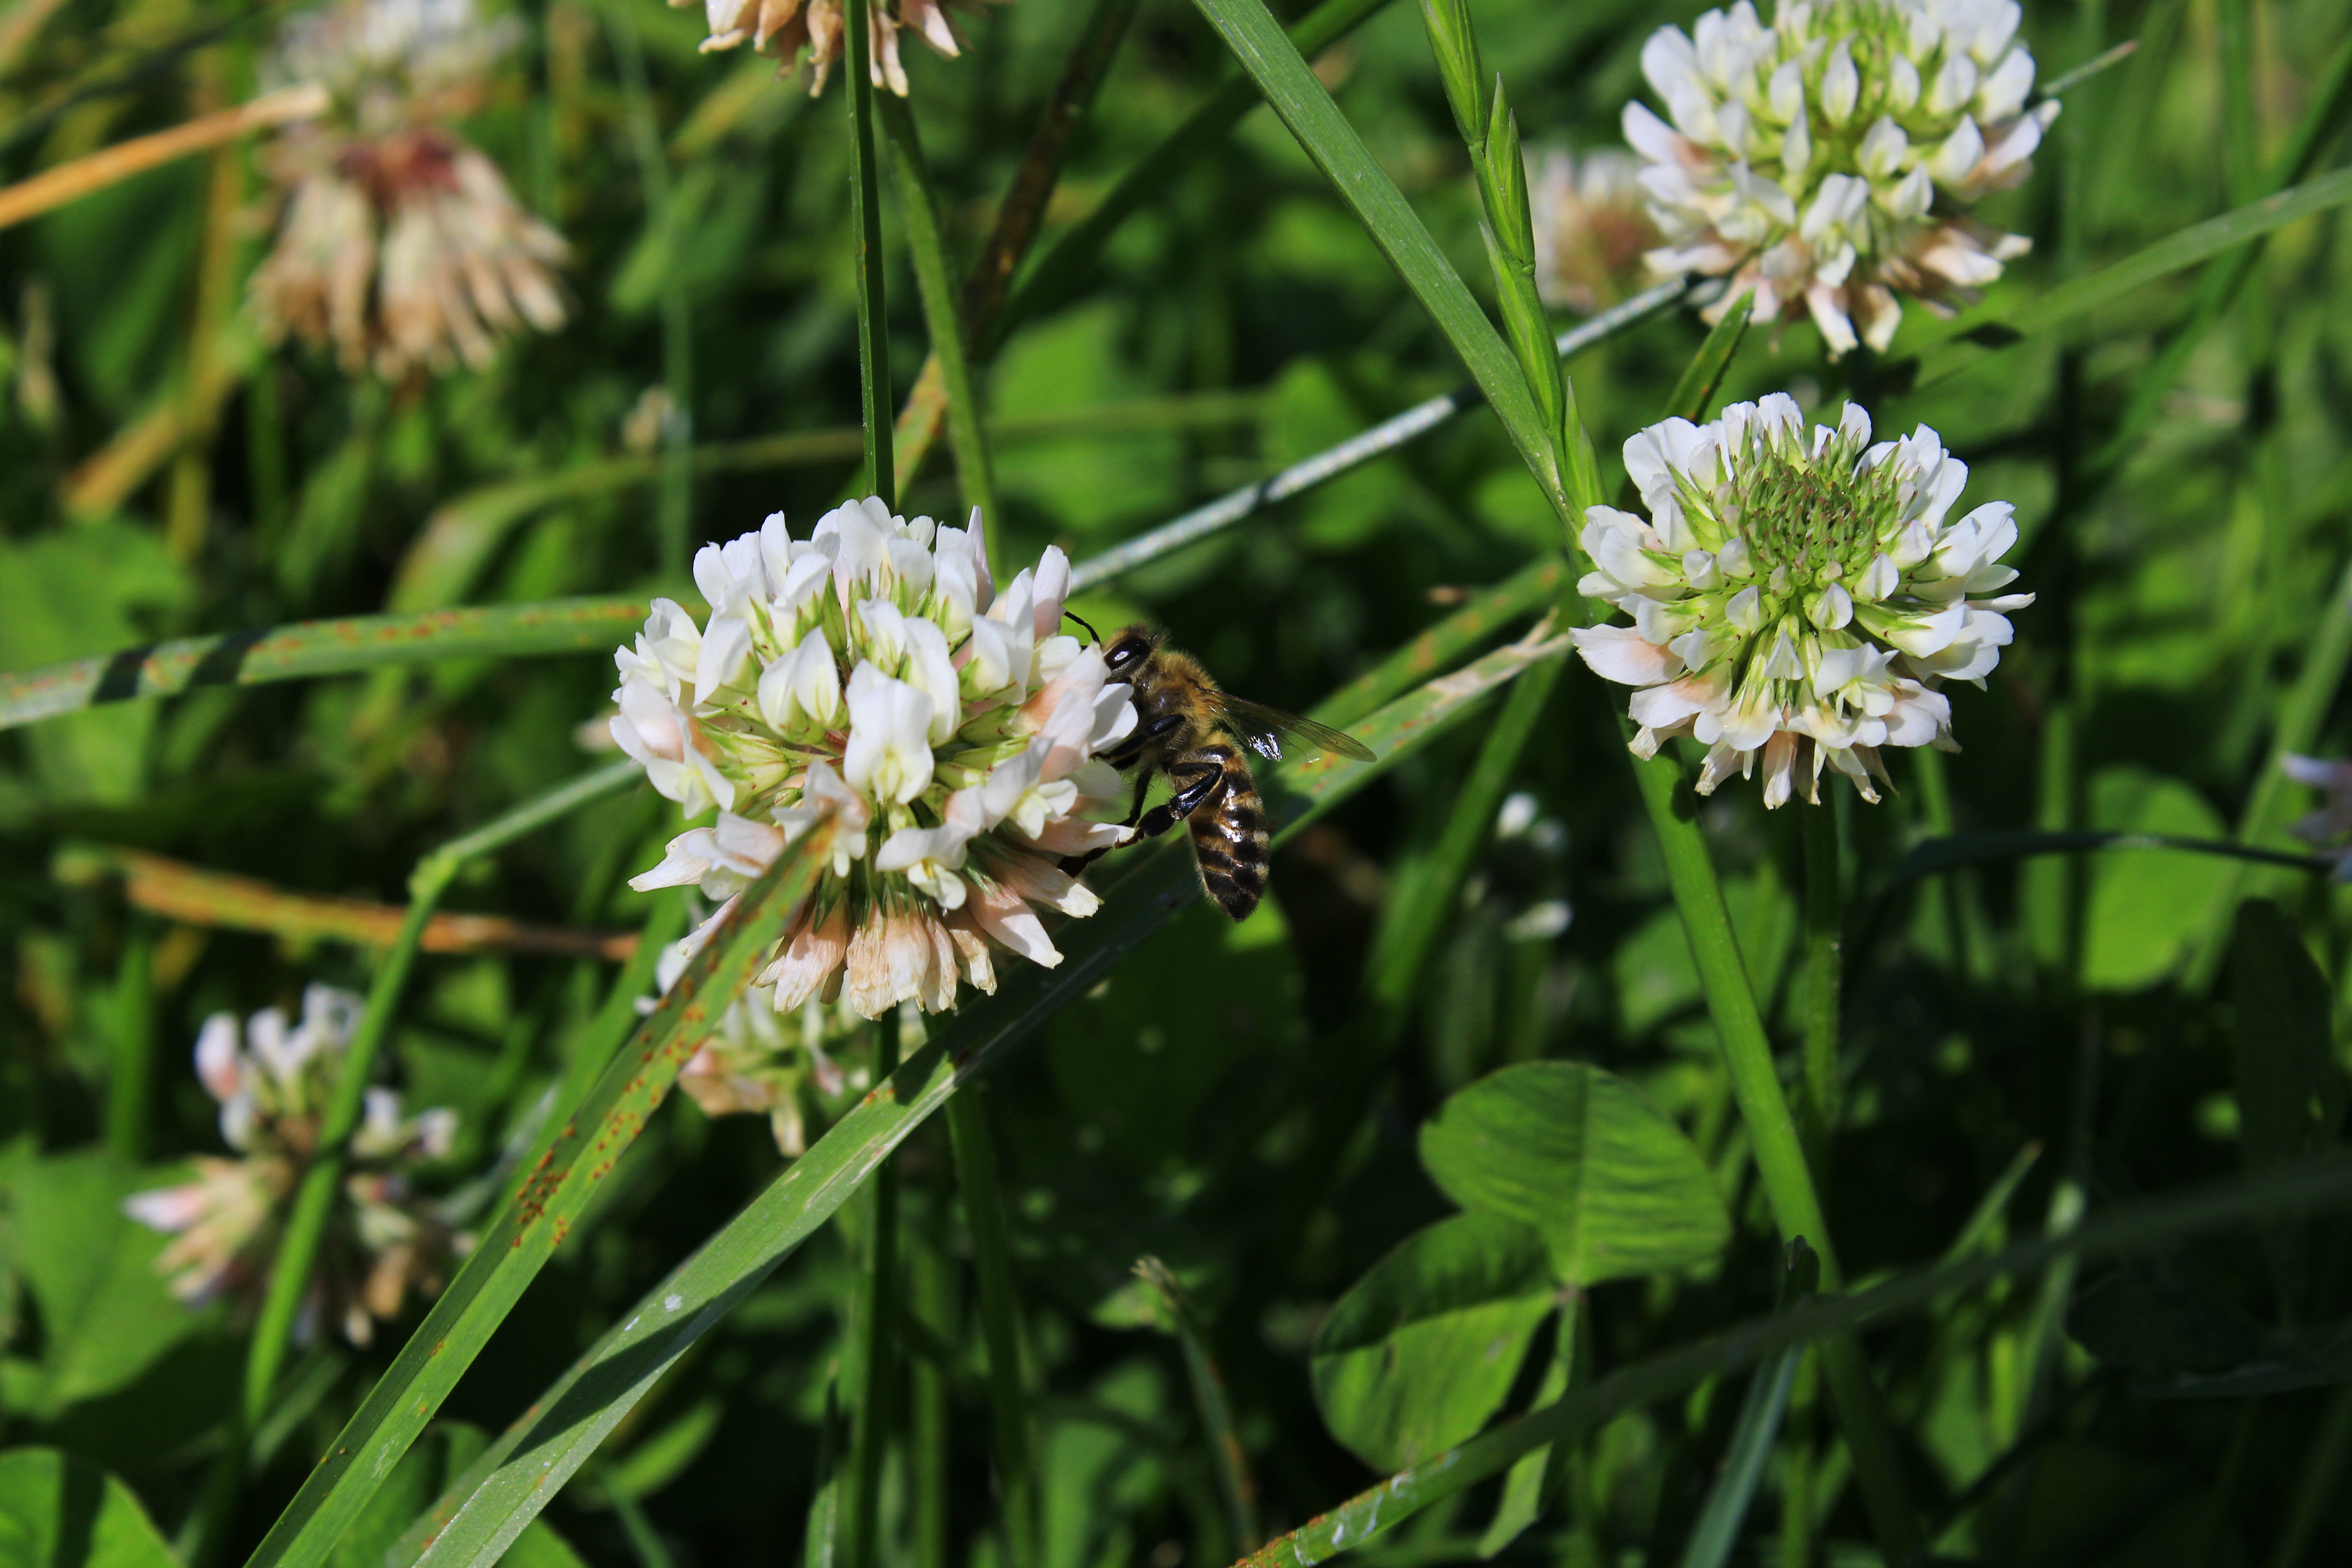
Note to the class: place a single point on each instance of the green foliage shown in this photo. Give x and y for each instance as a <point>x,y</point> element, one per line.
<point>58,1511</point>
<point>90,1270</point>
<point>1424,1347</point>
<point>1613,1186</point>
<point>1470,1157</point>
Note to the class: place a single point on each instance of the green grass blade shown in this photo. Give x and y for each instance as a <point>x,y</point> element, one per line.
<point>533,1223</point>
<point>1274,63</point>
<point>1064,266</point>
<point>876,400</point>
<point>928,244</point>
<point>2138,1228</point>
<point>1040,171</point>
<point>1706,371</point>
<point>1517,596</point>
<point>504,1489</point>
<point>1726,1509</point>
<point>2217,289</point>
<point>309,648</point>
<point>306,1228</point>
<point>1981,335</point>
<point>1228,1459</point>
<point>1977,848</point>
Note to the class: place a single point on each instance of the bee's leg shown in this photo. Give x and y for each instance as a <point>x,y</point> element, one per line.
<point>1199,782</point>
<point>1074,864</point>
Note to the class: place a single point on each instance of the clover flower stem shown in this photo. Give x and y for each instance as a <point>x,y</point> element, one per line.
<point>877,1320</point>
<point>1824,975</point>
<point>874,400</point>
<point>926,243</point>
<point>676,493</point>
<point>1000,1320</point>
<point>1780,1150</point>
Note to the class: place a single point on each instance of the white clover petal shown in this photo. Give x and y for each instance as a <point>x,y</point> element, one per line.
<point>889,753</point>
<point>1840,84</point>
<point>1053,587</point>
<point>930,671</point>
<point>726,648</point>
<point>219,1064</point>
<point>1883,149</point>
<point>1623,655</point>
<point>1952,162</point>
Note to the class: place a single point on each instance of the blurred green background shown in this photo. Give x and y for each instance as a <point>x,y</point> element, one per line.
<point>2076,1007</point>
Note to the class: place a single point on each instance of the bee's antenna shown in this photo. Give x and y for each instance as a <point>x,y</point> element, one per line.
<point>1073,615</point>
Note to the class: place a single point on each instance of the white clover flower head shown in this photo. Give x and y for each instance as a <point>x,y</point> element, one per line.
<point>401,246</point>
<point>1797,598</point>
<point>273,1080</point>
<point>872,672</point>
<point>787,28</point>
<point>1823,162</point>
<point>393,62</point>
<point>1593,226</point>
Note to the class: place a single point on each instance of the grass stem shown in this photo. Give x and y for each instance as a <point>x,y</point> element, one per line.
<point>1824,975</point>
<point>926,242</point>
<point>875,402</point>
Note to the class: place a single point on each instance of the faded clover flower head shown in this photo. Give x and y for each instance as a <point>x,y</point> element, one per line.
<point>874,670</point>
<point>762,1061</point>
<point>1822,161</point>
<point>1798,599</point>
<point>786,27</point>
<point>273,1081</point>
<point>1592,226</point>
<point>401,246</point>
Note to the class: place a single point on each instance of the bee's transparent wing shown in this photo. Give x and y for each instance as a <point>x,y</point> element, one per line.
<point>1265,730</point>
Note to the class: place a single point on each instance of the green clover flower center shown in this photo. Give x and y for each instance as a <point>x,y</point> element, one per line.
<point>1809,521</point>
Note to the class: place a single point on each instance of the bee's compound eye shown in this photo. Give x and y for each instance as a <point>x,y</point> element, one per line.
<point>1124,652</point>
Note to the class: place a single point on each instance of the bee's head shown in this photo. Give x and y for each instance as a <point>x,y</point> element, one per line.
<point>1129,648</point>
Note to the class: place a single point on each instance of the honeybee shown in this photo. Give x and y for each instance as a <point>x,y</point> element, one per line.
<point>1189,730</point>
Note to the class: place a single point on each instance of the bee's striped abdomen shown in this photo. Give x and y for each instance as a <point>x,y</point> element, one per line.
<point>1228,837</point>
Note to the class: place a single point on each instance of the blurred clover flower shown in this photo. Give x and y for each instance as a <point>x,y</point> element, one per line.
<point>1591,227</point>
<point>785,27</point>
<point>1796,600</point>
<point>874,671</point>
<point>2332,823</point>
<point>273,1091</point>
<point>759,1060</point>
<point>1820,161</point>
<point>401,245</point>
